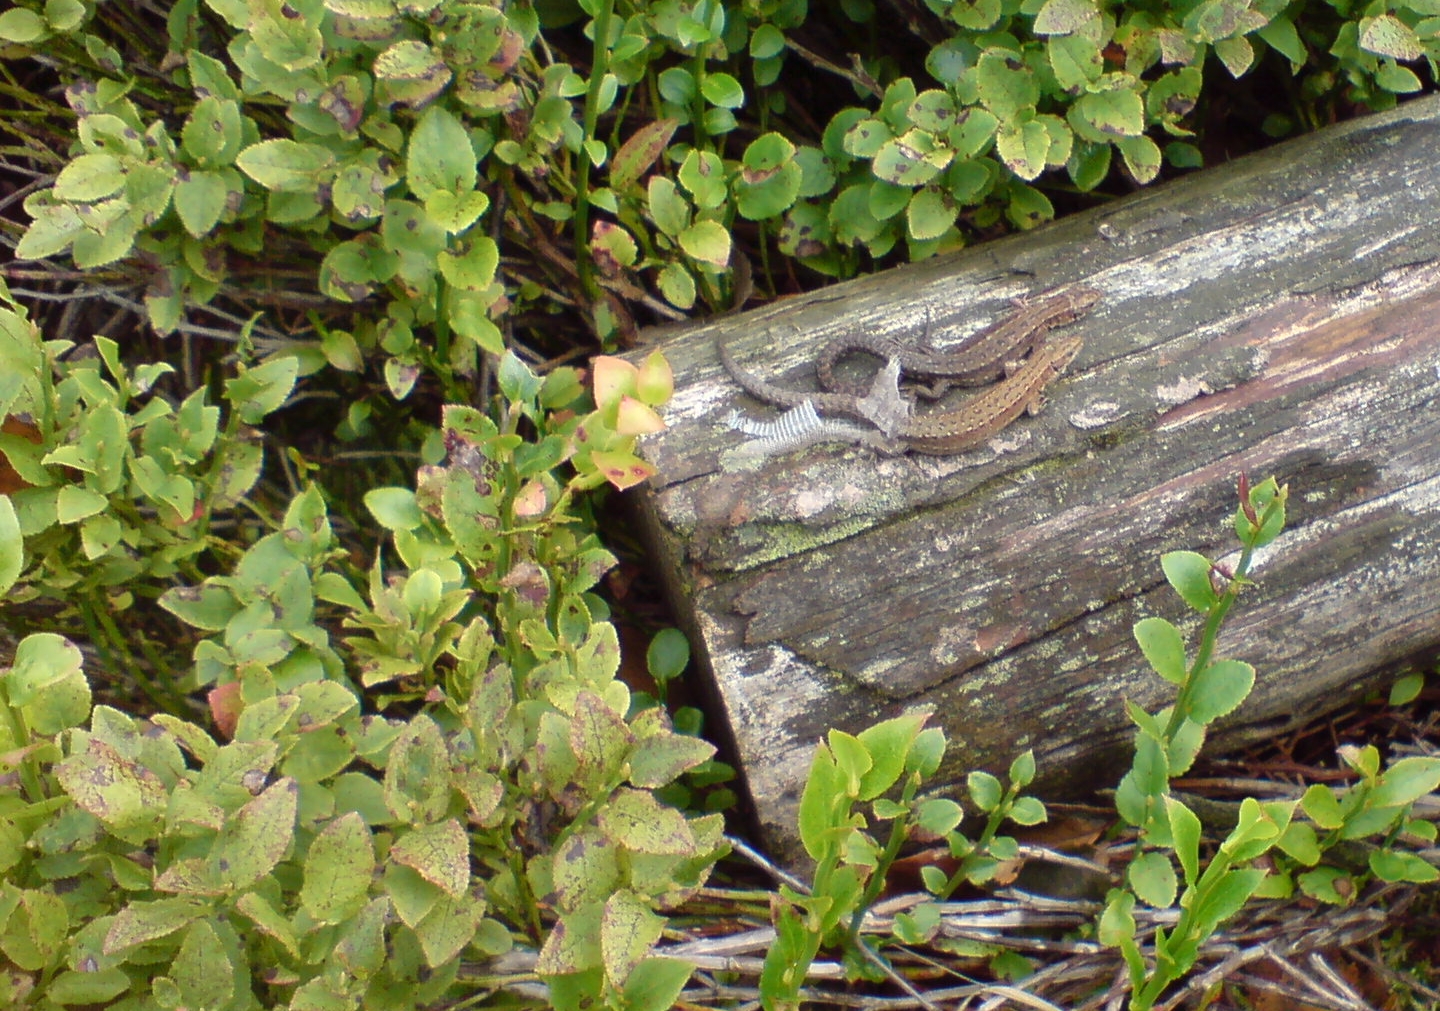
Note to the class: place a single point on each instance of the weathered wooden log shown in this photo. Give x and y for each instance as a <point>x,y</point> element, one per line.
<point>1278,315</point>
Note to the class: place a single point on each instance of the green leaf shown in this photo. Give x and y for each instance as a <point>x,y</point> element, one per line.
<point>722,90</point>
<point>600,741</point>
<point>659,760</point>
<point>269,921</point>
<point>287,166</point>
<point>1064,17</point>
<point>1117,922</point>
<point>1185,832</point>
<point>637,821</point>
<point>1328,884</point>
<point>448,928</point>
<point>100,987</point>
<point>708,242</point>
<point>971,133</point>
<point>1163,647</point>
<point>643,148</point>
<point>338,870</point>
<point>667,655</point>
<point>1028,207</point>
<point>411,73</point>
<point>1389,865</point>
<point>258,391</point>
<point>703,175</point>
<point>769,178</point>
<point>1236,54</point>
<point>1024,148</point>
<point>1281,36</point>
<point>417,775</point>
<point>12,546</point>
<point>668,209</point>
<point>1152,877</point>
<point>346,274</point>
<point>64,15</point>
<point>930,214</point>
<point>438,853</point>
<point>202,972</point>
<point>573,944</point>
<point>677,86</point>
<point>256,837</point>
<point>139,922</point>
<point>1219,689</point>
<point>75,502</point>
<point>938,816</point>
<point>1141,156</point>
<point>1404,691</point>
<point>473,268</point>
<point>456,212</point>
<point>20,25</point>
<point>90,177</point>
<point>1109,113</point>
<point>207,606</point>
<point>677,285</point>
<point>1397,80</point>
<point>1225,898</point>
<point>439,158</point>
<point>628,930</point>
<point>1027,811</point>
<point>1189,574</point>
<point>200,198</point>
<point>394,508</point>
<point>1300,842</point>
<point>41,660</point>
<point>655,983</point>
<point>585,869</point>
<point>212,133</point>
<point>469,316</point>
<point>911,160</point>
<point>852,761</point>
<point>1387,35</point>
<point>52,228</point>
<point>285,35</point>
<point>1006,86</point>
<point>985,790</point>
<point>358,190</point>
<point>1405,781</point>
<point>887,745</point>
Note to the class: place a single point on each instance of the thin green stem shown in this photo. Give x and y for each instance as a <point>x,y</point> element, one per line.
<point>599,67</point>
<point>887,858</point>
<point>20,736</point>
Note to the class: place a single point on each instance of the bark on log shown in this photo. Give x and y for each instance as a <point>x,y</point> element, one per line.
<point>1276,315</point>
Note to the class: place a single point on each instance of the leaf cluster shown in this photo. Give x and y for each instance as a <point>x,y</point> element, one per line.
<point>851,864</point>
<point>1170,832</point>
<point>406,147</point>
<point>1193,886</point>
<point>407,765</point>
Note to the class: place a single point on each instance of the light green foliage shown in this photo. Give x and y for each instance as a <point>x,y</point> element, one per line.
<point>858,782</point>
<point>325,854</point>
<point>404,126</point>
<point>848,771</point>
<point>1378,806</point>
<point>119,483</point>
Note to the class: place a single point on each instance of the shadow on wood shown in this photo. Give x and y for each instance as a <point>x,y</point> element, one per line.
<point>1279,315</point>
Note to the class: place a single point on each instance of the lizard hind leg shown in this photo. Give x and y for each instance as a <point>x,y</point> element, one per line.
<point>1036,404</point>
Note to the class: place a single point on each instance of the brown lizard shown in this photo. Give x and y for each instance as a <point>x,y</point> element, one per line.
<point>987,413</point>
<point>984,358</point>
<point>939,432</point>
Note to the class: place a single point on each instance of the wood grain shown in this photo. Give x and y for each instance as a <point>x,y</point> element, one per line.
<point>1276,315</point>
